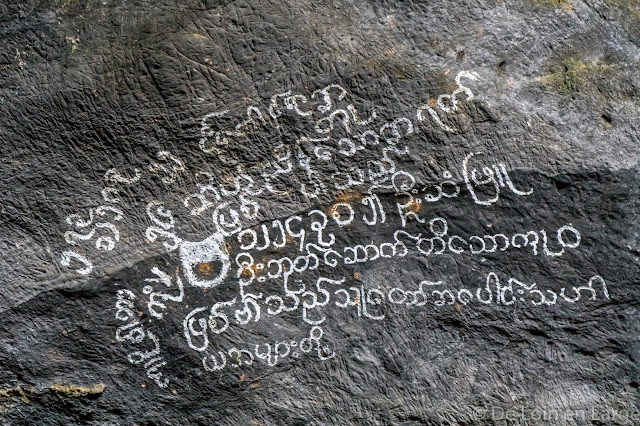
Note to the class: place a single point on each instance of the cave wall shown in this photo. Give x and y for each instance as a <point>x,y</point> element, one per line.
<point>300,212</point>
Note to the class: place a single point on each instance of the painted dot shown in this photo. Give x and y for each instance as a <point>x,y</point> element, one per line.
<point>204,268</point>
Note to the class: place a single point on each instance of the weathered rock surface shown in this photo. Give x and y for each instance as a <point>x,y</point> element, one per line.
<point>301,212</point>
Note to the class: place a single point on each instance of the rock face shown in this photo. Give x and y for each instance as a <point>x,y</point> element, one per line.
<point>304,212</point>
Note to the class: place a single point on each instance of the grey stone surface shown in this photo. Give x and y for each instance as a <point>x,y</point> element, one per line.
<point>128,143</point>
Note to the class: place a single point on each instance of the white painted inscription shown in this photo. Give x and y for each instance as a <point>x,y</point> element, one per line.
<point>255,268</point>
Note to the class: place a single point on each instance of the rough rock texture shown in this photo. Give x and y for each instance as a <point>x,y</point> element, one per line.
<point>301,212</point>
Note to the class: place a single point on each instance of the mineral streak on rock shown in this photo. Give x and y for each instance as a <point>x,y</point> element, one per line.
<point>308,212</point>
<point>77,391</point>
